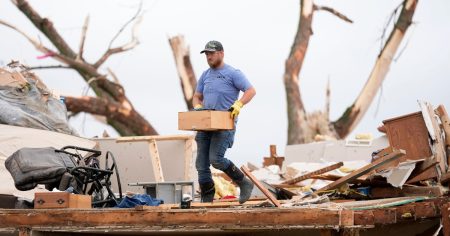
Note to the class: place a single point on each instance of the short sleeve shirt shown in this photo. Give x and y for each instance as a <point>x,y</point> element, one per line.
<point>221,87</point>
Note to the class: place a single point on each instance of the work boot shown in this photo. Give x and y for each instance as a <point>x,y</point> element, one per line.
<point>207,191</point>
<point>243,182</point>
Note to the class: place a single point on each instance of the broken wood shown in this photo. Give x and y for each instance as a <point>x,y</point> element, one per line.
<point>406,191</point>
<point>446,219</point>
<point>197,205</point>
<point>435,131</point>
<point>366,169</point>
<point>313,173</point>
<point>427,174</point>
<point>260,186</point>
<point>274,159</point>
<point>445,121</point>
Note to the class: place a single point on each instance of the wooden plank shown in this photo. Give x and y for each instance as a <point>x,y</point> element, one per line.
<point>274,159</point>
<point>313,173</point>
<point>445,121</point>
<point>357,173</point>
<point>153,137</point>
<point>438,144</point>
<point>423,166</point>
<point>428,174</point>
<point>446,219</point>
<point>24,231</point>
<point>261,187</point>
<point>188,159</point>
<point>406,191</point>
<point>156,162</point>
<point>197,205</point>
<point>261,218</point>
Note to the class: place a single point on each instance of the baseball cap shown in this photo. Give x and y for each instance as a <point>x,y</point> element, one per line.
<point>213,46</point>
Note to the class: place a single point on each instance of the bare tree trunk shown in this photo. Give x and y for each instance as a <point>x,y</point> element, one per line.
<point>295,109</point>
<point>184,67</point>
<point>112,101</point>
<point>353,115</point>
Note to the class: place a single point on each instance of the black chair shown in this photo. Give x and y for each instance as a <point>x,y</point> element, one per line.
<point>87,177</point>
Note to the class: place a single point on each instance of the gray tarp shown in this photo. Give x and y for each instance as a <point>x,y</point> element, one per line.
<point>29,105</point>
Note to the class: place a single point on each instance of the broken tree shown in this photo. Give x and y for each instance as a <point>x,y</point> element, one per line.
<point>110,101</point>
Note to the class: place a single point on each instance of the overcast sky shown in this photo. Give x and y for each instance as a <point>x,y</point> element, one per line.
<point>257,36</point>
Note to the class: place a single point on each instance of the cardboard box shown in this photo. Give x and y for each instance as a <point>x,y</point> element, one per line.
<point>205,120</point>
<point>52,200</point>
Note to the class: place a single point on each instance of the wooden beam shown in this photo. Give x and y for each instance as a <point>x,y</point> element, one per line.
<point>188,159</point>
<point>197,205</point>
<point>153,137</point>
<point>445,121</point>
<point>156,162</point>
<point>366,169</point>
<point>261,218</point>
<point>446,219</point>
<point>313,173</point>
<point>406,191</point>
<point>429,173</point>
<point>435,134</point>
<point>260,186</point>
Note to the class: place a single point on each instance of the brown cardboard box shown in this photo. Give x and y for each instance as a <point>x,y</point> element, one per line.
<point>52,200</point>
<point>205,120</point>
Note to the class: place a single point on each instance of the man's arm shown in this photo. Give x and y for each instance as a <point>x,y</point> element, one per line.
<point>248,95</point>
<point>197,100</point>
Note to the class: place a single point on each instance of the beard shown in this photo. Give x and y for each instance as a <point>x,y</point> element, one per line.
<point>214,63</point>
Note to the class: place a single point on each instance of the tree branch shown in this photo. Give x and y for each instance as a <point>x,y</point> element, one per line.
<point>184,67</point>
<point>46,27</point>
<point>48,67</point>
<point>115,112</point>
<point>333,11</point>
<point>353,114</point>
<point>83,38</point>
<point>130,45</point>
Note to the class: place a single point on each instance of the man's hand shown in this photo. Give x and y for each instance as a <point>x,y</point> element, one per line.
<point>198,107</point>
<point>235,109</point>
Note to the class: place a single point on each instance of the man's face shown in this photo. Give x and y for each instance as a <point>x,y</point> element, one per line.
<point>214,58</point>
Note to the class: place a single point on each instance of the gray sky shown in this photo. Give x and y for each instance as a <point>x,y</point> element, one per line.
<point>257,36</point>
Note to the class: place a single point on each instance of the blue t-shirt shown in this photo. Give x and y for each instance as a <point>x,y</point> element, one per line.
<point>221,87</point>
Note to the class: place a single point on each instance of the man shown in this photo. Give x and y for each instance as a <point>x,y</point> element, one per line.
<point>218,89</point>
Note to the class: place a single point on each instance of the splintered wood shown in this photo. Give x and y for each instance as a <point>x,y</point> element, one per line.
<point>364,170</point>
<point>314,173</point>
<point>260,186</point>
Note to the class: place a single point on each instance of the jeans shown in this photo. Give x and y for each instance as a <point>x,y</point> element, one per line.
<point>211,148</point>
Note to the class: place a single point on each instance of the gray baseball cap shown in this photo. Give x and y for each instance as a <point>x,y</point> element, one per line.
<point>213,46</point>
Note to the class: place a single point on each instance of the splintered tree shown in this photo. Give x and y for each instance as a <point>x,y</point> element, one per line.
<point>110,101</point>
<point>303,127</point>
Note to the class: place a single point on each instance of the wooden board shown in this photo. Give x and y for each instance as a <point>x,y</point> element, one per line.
<point>54,200</point>
<point>205,120</point>
<point>313,173</point>
<point>196,205</point>
<point>406,191</point>
<point>156,161</point>
<point>433,128</point>
<point>365,169</point>
<point>260,186</point>
<point>445,121</point>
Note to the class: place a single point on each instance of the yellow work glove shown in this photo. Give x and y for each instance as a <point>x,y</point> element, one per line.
<point>235,109</point>
<point>198,107</point>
